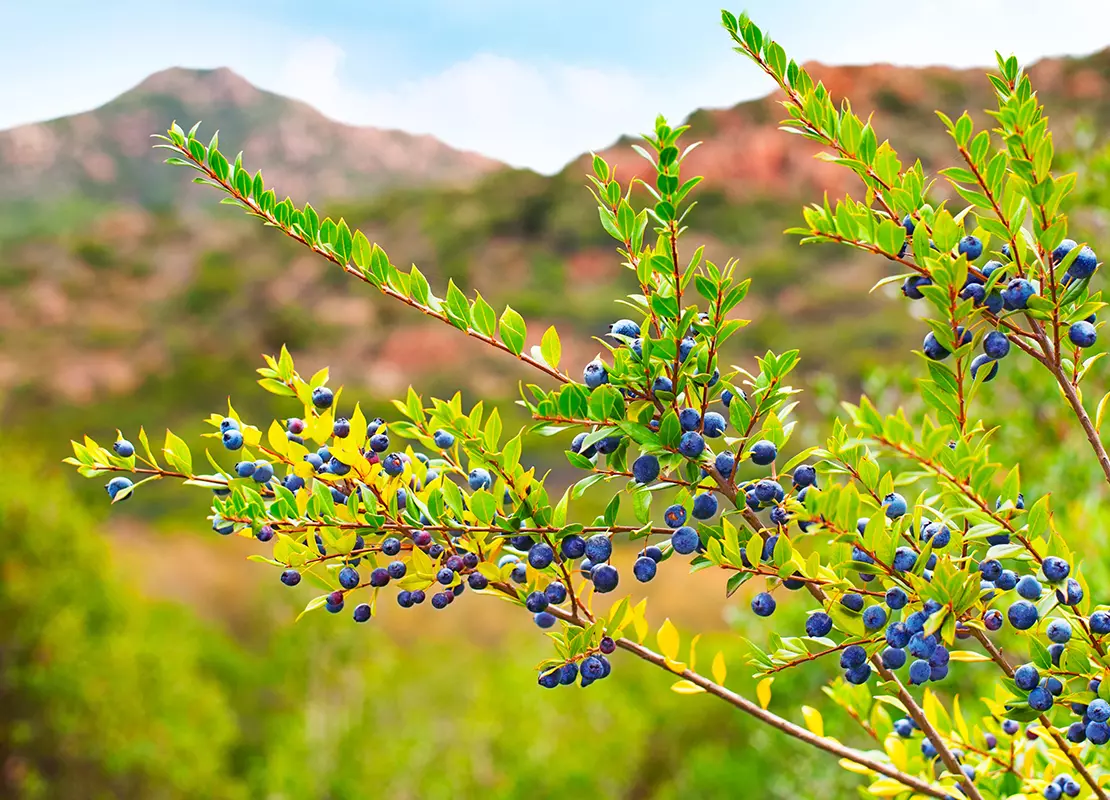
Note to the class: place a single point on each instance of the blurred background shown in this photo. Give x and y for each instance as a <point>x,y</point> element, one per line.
<point>139,657</point>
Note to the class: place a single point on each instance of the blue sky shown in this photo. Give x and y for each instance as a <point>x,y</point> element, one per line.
<point>532,83</point>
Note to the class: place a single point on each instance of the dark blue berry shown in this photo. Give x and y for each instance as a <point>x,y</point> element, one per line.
<point>763,604</point>
<point>712,426</point>
<point>996,345</point>
<point>1040,699</point>
<point>1084,265</point>
<point>599,548</point>
<point>605,578</point>
<point>644,569</point>
<point>595,374</point>
<point>573,546</point>
<point>819,624</point>
<point>705,505</point>
<point>920,671</point>
<point>767,490</point>
<point>689,419</point>
<point>675,516</point>
<point>852,656</point>
<point>893,658</point>
<point>904,559</point>
<point>896,598</point>
<point>685,540</point>
<point>691,445</point>
<point>895,505</point>
<point>933,349</point>
<point>1026,677</point>
<point>645,469</point>
<point>764,453</point>
<point>1029,587</point>
<point>1022,615</point>
<point>858,676</point>
<point>541,555</point>
<point>874,617</point>
<point>897,635</point>
<point>1058,631</point>
<point>971,247</point>
<point>479,478</point>
<point>1017,293</point>
<point>852,601</point>
<point>536,602</point>
<point>725,463</point>
<point>1055,569</point>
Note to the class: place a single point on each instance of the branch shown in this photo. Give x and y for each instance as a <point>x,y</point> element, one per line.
<point>254,208</point>
<point>1004,665</point>
<point>1085,422</point>
<point>785,726</point>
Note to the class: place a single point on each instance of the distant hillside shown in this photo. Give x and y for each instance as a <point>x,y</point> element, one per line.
<point>105,154</point>
<point>150,294</point>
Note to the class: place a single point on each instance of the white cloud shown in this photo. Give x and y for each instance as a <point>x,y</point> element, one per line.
<point>538,115</point>
<point>527,114</point>
<point>531,115</point>
<point>311,73</point>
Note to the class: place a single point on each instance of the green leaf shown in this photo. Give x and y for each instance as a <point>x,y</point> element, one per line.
<point>177,453</point>
<point>418,286</point>
<point>606,403</point>
<point>483,505</point>
<point>550,347</point>
<point>276,387</point>
<point>457,307</point>
<point>483,316</point>
<point>513,330</point>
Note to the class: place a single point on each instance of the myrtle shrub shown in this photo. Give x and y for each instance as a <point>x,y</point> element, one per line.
<point>913,547</point>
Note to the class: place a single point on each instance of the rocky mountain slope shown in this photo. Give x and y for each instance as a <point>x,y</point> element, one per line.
<point>104,155</point>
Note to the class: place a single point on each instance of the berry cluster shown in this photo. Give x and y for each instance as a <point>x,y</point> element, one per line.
<point>591,666</point>
<point>981,288</point>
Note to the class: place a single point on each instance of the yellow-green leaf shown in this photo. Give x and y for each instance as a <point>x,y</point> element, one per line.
<point>1101,412</point>
<point>813,720</point>
<point>550,347</point>
<point>719,669</point>
<point>639,621</point>
<point>686,687</point>
<point>763,691</point>
<point>859,769</point>
<point>276,437</point>
<point>968,655</point>
<point>177,453</point>
<point>668,640</point>
<point>886,787</point>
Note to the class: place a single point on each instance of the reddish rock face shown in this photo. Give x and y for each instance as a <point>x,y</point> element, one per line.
<point>743,154</point>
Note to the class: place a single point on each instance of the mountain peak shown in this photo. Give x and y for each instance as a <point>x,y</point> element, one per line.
<point>221,85</point>
<point>105,154</point>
